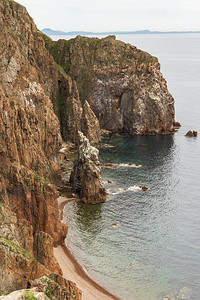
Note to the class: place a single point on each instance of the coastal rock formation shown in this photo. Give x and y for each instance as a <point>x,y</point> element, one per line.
<point>56,287</point>
<point>123,85</point>
<point>86,176</point>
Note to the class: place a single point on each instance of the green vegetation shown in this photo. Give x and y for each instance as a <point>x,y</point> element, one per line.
<point>29,296</point>
<point>48,41</point>
<point>21,37</point>
<point>12,104</point>
<point>133,103</point>
<point>40,178</point>
<point>49,287</point>
<point>60,69</point>
<point>59,51</point>
<point>15,248</point>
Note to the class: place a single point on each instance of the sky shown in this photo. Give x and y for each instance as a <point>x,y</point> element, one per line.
<point>115,15</point>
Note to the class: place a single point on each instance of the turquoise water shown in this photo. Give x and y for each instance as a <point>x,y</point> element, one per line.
<point>144,244</point>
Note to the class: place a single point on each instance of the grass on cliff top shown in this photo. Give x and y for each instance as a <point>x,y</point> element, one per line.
<point>29,296</point>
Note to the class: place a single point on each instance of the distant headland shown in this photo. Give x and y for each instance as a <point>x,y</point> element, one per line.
<point>49,31</point>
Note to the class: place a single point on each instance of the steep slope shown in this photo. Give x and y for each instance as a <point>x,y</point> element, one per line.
<point>123,85</point>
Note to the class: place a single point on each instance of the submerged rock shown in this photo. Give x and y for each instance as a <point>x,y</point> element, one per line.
<point>143,187</point>
<point>86,176</point>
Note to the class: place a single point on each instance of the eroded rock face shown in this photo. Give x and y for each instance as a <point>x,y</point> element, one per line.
<point>90,124</point>
<point>43,251</point>
<point>29,129</point>
<point>86,176</point>
<point>123,85</point>
<point>17,262</point>
<point>74,116</point>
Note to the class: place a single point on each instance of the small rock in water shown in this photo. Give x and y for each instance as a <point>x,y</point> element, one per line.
<point>114,225</point>
<point>143,187</point>
<point>109,181</point>
<point>191,133</point>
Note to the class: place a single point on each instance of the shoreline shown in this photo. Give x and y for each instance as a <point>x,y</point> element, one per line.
<point>73,271</point>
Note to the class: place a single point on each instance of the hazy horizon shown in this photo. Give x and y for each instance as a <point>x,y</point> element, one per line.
<point>109,16</point>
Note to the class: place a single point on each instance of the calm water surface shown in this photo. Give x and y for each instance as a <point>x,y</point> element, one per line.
<point>155,247</point>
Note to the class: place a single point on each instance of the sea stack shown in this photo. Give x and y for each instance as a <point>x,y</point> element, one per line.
<point>86,176</point>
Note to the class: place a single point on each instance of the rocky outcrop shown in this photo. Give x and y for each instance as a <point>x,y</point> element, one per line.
<point>56,287</point>
<point>26,294</point>
<point>86,176</point>
<point>123,85</point>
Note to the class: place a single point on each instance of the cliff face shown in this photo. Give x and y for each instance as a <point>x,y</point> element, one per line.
<point>29,144</point>
<point>123,85</point>
<point>29,130</point>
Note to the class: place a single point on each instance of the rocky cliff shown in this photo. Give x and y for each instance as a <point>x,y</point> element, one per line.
<point>123,85</point>
<point>30,140</point>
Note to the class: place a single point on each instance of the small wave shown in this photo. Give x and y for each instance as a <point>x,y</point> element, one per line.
<point>115,191</point>
<point>134,188</point>
<point>130,165</point>
<point>117,166</point>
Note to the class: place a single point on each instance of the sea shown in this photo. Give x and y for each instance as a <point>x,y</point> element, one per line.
<point>145,244</point>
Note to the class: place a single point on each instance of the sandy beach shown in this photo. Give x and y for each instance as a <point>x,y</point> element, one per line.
<point>73,271</point>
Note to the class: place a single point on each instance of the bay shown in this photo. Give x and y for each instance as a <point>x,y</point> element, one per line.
<point>145,244</point>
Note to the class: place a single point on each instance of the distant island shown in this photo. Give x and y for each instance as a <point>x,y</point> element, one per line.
<point>49,31</point>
